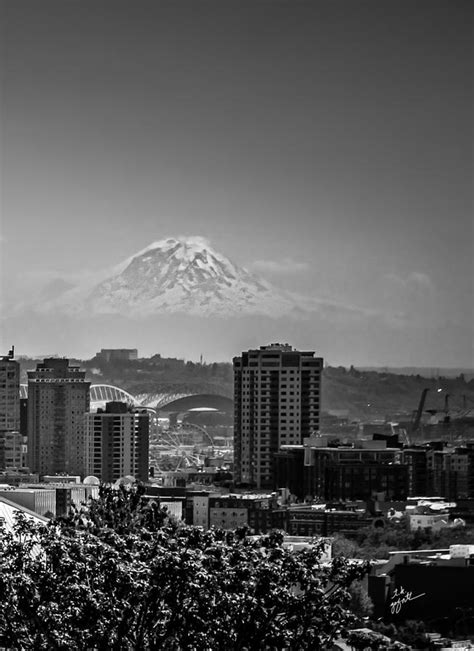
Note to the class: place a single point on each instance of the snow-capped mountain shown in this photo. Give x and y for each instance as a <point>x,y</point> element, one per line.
<point>184,275</point>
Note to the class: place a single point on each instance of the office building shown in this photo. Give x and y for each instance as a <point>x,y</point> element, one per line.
<point>58,397</point>
<point>366,470</point>
<point>9,393</point>
<point>277,401</point>
<point>116,442</point>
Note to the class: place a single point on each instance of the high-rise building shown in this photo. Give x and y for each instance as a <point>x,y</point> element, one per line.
<point>9,393</point>
<point>15,449</point>
<point>58,397</point>
<point>276,400</point>
<point>12,444</point>
<point>116,442</point>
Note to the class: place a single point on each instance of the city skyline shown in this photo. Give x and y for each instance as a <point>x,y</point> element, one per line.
<point>326,148</point>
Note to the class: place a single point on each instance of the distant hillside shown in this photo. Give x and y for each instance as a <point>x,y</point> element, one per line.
<point>369,393</point>
<point>425,371</point>
<point>154,375</point>
<point>364,394</point>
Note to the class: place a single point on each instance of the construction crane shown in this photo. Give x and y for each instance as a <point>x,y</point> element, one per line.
<point>419,412</point>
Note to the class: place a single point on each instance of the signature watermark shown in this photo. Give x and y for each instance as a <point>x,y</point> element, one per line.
<point>400,597</point>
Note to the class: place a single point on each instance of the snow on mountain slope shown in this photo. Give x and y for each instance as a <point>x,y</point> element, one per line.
<point>183,275</point>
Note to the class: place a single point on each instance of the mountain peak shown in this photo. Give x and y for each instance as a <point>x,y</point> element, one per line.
<point>179,275</point>
<point>182,247</point>
<point>187,242</point>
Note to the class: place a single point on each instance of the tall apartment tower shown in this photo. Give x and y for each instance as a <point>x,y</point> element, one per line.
<point>116,442</point>
<point>9,393</point>
<point>58,397</point>
<point>276,400</point>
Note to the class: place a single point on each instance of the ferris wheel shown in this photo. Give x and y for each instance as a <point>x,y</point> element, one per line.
<point>189,444</point>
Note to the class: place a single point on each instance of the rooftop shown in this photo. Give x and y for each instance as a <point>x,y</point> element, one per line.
<point>8,511</point>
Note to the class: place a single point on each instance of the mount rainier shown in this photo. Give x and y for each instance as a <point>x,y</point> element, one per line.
<point>178,275</point>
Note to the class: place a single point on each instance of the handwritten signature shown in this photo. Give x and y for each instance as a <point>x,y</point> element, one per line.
<point>400,597</point>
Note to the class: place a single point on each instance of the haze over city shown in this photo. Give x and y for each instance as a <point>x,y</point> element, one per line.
<point>324,147</point>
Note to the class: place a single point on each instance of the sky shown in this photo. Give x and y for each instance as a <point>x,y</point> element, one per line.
<point>326,145</point>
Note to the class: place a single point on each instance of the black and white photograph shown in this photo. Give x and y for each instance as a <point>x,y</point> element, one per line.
<point>236,325</point>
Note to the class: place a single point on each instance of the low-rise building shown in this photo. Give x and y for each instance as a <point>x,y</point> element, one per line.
<point>66,495</point>
<point>429,514</point>
<point>317,520</point>
<point>236,510</point>
<point>424,584</point>
<point>40,501</point>
<point>9,511</point>
<point>15,477</point>
<point>197,508</point>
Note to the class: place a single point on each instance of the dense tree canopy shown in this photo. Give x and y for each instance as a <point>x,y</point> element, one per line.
<point>371,542</point>
<point>120,574</point>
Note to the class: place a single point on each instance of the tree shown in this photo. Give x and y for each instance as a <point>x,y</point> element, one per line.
<point>121,574</point>
<point>364,639</point>
<point>411,633</point>
<point>361,604</point>
<point>342,546</point>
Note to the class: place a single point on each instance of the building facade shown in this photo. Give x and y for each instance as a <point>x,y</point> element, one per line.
<point>366,470</point>
<point>58,397</point>
<point>15,449</point>
<point>440,469</point>
<point>12,443</point>
<point>116,443</point>
<point>9,393</point>
<point>236,510</point>
<point>40,500</point>
<point>277,402</point>
<point>306,520</point>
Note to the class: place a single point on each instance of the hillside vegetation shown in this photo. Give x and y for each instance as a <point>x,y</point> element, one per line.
<point>361,393</point>
<point>365,393</point>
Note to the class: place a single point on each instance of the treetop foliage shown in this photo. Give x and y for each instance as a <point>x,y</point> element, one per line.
<point>371,542</point>
<point>120,573</point>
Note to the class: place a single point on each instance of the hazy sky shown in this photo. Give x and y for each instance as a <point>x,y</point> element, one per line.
<point>326,144</point>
